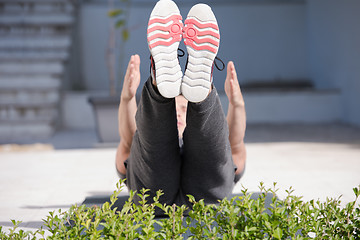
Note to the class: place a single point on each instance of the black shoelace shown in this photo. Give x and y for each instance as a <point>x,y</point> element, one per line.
<point>215,63</point>
<point>222,63</point>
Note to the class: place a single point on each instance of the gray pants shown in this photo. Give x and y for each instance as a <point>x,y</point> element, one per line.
<point>202,167</point>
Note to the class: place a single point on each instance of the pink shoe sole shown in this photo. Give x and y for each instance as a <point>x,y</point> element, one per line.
<point>202,40</point>
<point>164,35</point>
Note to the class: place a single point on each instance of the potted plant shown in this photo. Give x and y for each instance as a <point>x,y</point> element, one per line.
<point>106,107</point>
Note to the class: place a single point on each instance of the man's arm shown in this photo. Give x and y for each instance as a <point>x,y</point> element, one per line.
<point>127,111</point>
<point>236,118</point>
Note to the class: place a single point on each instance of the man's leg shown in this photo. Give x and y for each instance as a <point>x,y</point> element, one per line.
<point>208,169</point>
<point>154,161</point>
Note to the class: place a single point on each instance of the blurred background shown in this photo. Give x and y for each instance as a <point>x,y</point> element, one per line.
<point>298,62</point>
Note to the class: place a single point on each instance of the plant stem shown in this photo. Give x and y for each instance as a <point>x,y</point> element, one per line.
<point>110,54</point>
<point>122,46</point>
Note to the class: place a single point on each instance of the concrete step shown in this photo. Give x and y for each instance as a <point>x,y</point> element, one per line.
<point>34,55</point>
<point>27,115</point>
<point>25,130</point>
<point>60,42</point>
<point>29,98</point>
<point>13,7</point>
<point>34,31</point>
<point>32,82</point>
<point>31,67</point>
<point>36,19</point>
<point>35,36</point>
<point>36,1</point>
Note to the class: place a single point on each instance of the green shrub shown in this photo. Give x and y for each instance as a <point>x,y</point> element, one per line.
<point>241,217</point>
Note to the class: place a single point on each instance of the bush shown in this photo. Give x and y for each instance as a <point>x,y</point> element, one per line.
<point>241,217</point>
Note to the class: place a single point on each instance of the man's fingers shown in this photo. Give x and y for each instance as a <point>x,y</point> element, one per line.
<point>137,65</point>
<point>129,67</point>
<point>233,71</point>
<point>231,75</point>
<point>137,62</point>
<point>234,74</point>
<point>232,85</point>
<point>137,59</point>
<point>134,71</point>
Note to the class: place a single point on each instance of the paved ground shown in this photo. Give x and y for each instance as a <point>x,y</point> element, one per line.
<point>319,161</point>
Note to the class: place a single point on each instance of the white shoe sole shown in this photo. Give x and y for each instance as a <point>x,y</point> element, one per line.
<point>164,35</point>
<point>202,39</point>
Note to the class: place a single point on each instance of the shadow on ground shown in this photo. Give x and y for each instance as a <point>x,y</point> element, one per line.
<point>101,199</point>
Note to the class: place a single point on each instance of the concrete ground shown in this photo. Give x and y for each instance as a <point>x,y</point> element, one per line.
<point>319,161</point>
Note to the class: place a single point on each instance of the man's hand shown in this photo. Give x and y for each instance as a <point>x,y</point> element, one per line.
<point>232,87</point>
<point>131,79</point>
<point>236,118</point>
<point>127,111</point>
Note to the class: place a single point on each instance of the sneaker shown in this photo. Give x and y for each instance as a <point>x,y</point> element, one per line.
<point>202,39</point>
<point>164,34</point>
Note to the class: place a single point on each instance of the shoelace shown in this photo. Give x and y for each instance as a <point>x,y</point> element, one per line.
<point>223,64</point>
<point>216,65</point>
<point>182,52</point>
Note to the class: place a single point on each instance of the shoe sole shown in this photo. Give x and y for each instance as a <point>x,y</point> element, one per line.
<point>164,34</point>
<point>202,39</point>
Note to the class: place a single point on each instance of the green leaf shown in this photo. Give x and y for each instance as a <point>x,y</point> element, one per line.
<point>125,34</point>
<point>278,233</point>
<point>115,12</point>
<point>191,198</point>
<point>356,191</point>
<point>268,225</point>
<point>120,23</point>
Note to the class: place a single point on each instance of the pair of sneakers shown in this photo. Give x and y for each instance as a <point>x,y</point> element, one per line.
<point>201,36</point>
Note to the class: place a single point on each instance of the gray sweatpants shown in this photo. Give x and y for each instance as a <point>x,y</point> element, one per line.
<point>203,167</point>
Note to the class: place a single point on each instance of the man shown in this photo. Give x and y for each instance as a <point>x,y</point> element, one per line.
<point>211,155</point>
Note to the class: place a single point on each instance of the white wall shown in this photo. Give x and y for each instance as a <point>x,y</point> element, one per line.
<point>334,50</point>
<point>267,41</point>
